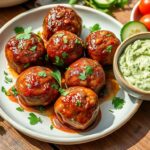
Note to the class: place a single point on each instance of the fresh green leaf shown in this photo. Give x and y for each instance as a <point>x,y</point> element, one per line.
<point>19,30</point>
<point>55,86</point>
<point>72,2</point>
<point>46,57</point>
<point>121,3</point>
<point>51,127</point>
<point>65,40</point>
<point>5,73</point>
<point>57,76</point>
<point>20,109</point>
<point>111,110</point>
<point>118,102</point>
<point>65,55</point>
<point>58,61</point>
<point>95,27</point>
<point>14,91</point>
<point>109,48</point>
<point>33,48</point>
<point>108,34</point>
<point>4,91</point>
<point>26,65</point>
<point>77,41</point>
<point>28,85</point>
<point>88,70</point>
<point>8,80</point>
<point>60,34</point>
<point>82,76</point>
<point>23,36</point>
<point>28,30</point>
<point>42,74</point>
<point>34,119</point>
<point>63,92</point>
<point>78,103</point>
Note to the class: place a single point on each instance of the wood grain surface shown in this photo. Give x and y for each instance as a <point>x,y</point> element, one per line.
<point>135,135</point>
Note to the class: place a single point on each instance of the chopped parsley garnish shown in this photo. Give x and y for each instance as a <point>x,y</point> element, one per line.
<point>111,110</point>
<point>46,57</point>
<point>19,30</point>
<point>34,119</point>
<point>63,92</point>
<point>78,103</point>
<point>55,86</point>
<point>42,74</point>
<point>41,108</point>
<point>95,27</point>
<point>64,55</point>
<point>26,65</point>
<point>77,41</point>
<point>82,76</point>
<point>51,127</point>
<point>72,2</point>
<point>57,76</point>
<point>5,73</point>
<point>29,85</point>
<point>25,35</point>
<point>109,34</point>
<point>60,34</point>
<point>20,109</point>
<point>109,48</point>
<point>8,80</point>
<point>14,91</point>
<point>58,61</point>
<point>4,91</point>
<point>118,102</point>
<point>33,48</point>
<point>65,40</point>
<point>88,70</point>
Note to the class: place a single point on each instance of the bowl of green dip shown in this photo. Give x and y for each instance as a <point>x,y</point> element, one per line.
<point>132,65</point>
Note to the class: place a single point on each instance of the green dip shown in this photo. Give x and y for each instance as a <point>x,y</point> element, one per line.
<point>134,64</point>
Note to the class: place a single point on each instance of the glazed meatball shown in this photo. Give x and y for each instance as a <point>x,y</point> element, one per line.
<point>102,45</point>
<point>36,86</point>
<point>78,109</point>
<point>64,48</point>
<point>23,51</point>
<point>61,18</point>
<point>85,72</point>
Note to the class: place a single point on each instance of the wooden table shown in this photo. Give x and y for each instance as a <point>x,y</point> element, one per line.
<point>135,135</point>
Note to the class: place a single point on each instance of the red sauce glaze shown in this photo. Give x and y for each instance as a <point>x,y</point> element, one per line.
<point>65,45</point>
<point>95,76</point>
<point>101,46</point>
<point>19,52</point>
<point>78,108</point>
<point>35,86</point>
<point>61,18</point>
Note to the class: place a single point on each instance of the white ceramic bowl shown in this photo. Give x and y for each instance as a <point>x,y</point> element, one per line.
<point>8,3</point>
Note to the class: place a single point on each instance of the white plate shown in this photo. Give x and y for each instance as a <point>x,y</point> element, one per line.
<point>109,122</point>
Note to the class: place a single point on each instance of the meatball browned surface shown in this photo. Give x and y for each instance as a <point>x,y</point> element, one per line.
<point>61,18</point>
<point>64,48</point>
<point>85,72</point>
<point>36,86</point>
<point>102,45</point>
<point>21,53</point>
<point>78,109</point>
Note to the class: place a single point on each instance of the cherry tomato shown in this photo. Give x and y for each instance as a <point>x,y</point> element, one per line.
<point>144,7</point>
<point>146,20</point>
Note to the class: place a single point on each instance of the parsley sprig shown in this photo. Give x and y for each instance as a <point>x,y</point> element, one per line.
<point>34,119</point>
<point>95,28</point>
<point>118,102</point>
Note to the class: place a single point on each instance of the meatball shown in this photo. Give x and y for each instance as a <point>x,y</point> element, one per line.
<point>24,50</point>
<point>78,109</point>
<point>85,72</point>
<point>64,47</point>
<point>61,18</point>
<point>36,86</point>
<point>102,45</point>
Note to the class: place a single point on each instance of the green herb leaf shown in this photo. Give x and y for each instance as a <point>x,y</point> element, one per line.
<point>63,92</point>
<point>5,73</point>
<point>78,103</point>
<point>57,76</point>
<point>34,119</point>
<point>4,91</point>
<point>14,91</point>
<point>88,70</point>
<point>28,30</point>
<point>109,48</point>
<point>19,30</point>
<point>8,80</point>
<point>95,27</point>
<point>28,85</point>
<point>111,110</point>
<point>82,76</point>
<point>23,36</point>
<point>42,74</point>
<point>26,65</point>
<point>108,34</point>
<point>51,127</point>
<point>121,3</point>
<point>77,41</point>
<point>72,2</point>
<point>118,102</point>
<point>58,61</point>
<point>65,40</point>
<point>60,34</point>
<point>65,55</point>
<point>20,109</point>
<point>33,48</point>
<point>55,86</point>
<point>46,57</point>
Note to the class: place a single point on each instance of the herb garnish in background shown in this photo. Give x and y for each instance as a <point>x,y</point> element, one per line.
<point>118,102</point>
<point>20,109</point>
<point>95,28</point>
